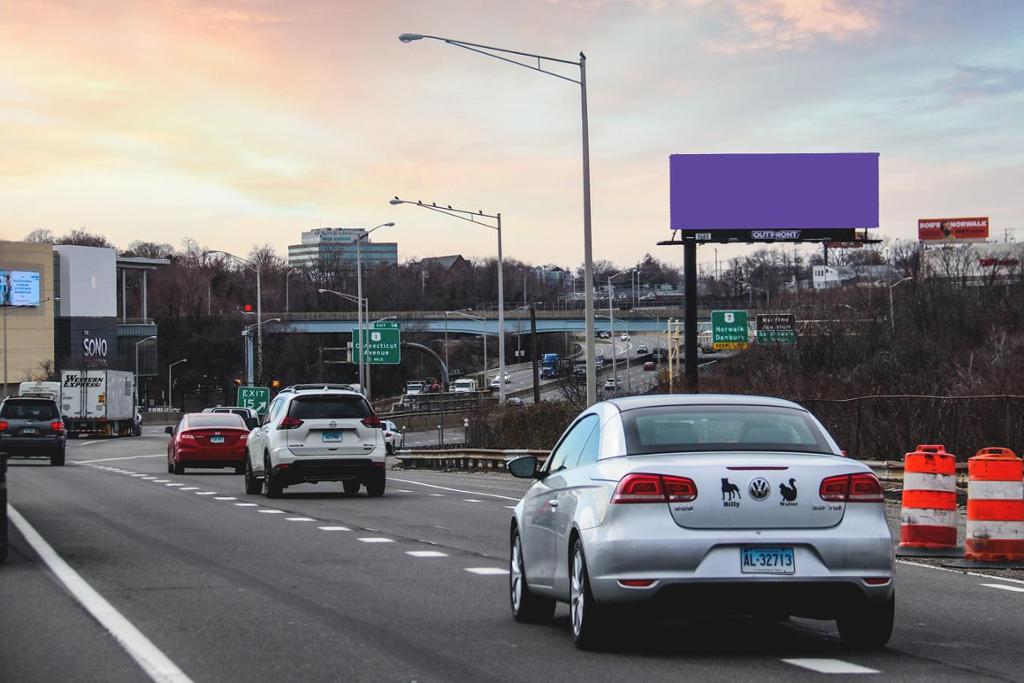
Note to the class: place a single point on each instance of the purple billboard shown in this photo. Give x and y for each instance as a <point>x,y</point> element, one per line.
<point>775,191</point>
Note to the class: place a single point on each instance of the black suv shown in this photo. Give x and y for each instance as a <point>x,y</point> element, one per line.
<point>32,427</point>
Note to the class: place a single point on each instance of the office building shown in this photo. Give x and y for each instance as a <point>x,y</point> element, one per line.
<point>330,247</point>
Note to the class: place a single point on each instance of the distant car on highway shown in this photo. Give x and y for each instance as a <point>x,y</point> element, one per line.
<point>32,427</point>
<point>604,335</point>
<point>413,388</point>
<point>391,436</point>
<point>313,436</point>
<point>495,383</point>
<point>642,349</point>
<point>248,415</point>
<point>463,386</point>
<point>705,342</point>
<point>649,366</point>
<point>207,440</point>
<point>706,504</point>
<point>624,337</point>
<point>514,402</point>
<point>612,384</point>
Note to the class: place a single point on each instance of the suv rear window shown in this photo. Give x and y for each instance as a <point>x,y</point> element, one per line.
<point>329,407</point>
<point>15,409</point>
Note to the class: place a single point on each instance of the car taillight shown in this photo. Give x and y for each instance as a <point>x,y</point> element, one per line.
<point>3,425</point>
<point>372,421</point>
<point>851,488</point>
<point>289,423</point>
<point>56,426</point>
<point>654,488</point>
<point>187,435</point>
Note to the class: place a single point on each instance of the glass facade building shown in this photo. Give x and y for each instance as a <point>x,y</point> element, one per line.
<point>333,246</point>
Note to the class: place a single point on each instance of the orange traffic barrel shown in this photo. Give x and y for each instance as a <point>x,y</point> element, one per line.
<point>995,506</point>
<point>928,518</point>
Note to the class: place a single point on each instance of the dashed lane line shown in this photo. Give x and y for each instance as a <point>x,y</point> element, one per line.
<point>205,493</point>
<point>333,528</point>
<point>154,662</point>
<point>831,666</point>
<point>127,457</point>
<point>471,500</point>
<point>300,519</point>
<point>224,498</point>
<point>271,511</point>
<point>190,488</point>
<point>375,539</point>
<point>173,485</point>
<point>1003,586</point>
<point>486,571</point>
<point>447,488</point>
<point>425,553</point>
<point>247,505</point>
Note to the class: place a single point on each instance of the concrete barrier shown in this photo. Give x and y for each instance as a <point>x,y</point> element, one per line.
<point>464,459</point>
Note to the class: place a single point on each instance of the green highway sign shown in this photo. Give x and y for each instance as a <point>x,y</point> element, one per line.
<point>728,330</point>
<point>776,328</point>
<point>383,344</point>
<point>257,398</point>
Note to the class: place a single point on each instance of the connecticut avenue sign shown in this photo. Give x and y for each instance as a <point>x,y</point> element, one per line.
<point>383,344</point>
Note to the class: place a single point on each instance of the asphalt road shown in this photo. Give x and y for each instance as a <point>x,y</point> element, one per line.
<point>408,587</point>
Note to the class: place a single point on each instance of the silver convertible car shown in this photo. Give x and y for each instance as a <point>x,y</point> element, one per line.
<point>701,505</point>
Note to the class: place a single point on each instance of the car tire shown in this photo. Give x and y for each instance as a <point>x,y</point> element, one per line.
<point>57,458</point>
<point>272,487</point>
<point>170,467</point>
<point>588,621</point>
<point>350,486</point>
<point>179,468</point>
<point>867,624</point>
<point>389,449</point>
<point>527,607</point>
<point>375,485</point>
<point>252,483</point>
<point>240,468</point>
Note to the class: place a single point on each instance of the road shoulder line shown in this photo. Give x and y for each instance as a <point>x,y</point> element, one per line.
<point>154,662</point>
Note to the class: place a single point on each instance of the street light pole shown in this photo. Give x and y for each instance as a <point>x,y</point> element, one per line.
<point>141,341</point>
<point>588,259</point>
<point>364,369</point>
<point>892,308</point>
<point>360,302</point>
<point>472,217</point>
<point>170,369</point>
<point>259,305</point>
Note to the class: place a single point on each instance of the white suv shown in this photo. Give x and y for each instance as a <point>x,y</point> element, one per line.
<point>314,435</point>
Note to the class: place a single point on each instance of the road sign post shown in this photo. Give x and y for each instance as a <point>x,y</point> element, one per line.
<point>383,344</point>
<point>729,330</point>
<point>257,398</point>
<point>776,328</point>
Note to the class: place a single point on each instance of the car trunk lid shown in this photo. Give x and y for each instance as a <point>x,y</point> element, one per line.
<point>332,425</point>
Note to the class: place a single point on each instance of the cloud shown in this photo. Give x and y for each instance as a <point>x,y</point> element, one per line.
<point>973,82</point>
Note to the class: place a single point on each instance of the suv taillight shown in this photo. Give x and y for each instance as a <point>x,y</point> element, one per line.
<point>654,488</point>
<point>3,425</point>
<point>289,423</point>
<point>851,488</point>
<point>56,426</point>
<point>372,421</point>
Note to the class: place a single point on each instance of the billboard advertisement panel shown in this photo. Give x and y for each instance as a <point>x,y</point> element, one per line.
<point>710,192</point>
<point>19,288</point>
<point>952,229</point>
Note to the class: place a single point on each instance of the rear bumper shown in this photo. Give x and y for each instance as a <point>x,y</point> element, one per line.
<point>27,447</point>
<point>328,469</point>
<point>212,457</point>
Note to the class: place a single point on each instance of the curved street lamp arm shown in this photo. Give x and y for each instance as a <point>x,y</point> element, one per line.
<point>470,216</point>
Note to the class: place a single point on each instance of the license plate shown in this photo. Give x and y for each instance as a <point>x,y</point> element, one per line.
<point>216,439</point>
<point>767,561</point>
<point>29,430</point>
<point>332,436</point>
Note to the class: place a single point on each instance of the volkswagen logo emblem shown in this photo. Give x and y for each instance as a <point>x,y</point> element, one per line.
<point>759,488</point>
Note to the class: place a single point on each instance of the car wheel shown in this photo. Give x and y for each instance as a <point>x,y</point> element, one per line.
<point>527,608</point>
<point>588,620</point>
<point>57,458</point>
<point>389,449</point>
<point>170,466</point>
<point>867,624</point>
<point>350,486</point>
<point>252,484</point>
<point>271,485</point>
<point>179,468</point>
<point>375,485</point>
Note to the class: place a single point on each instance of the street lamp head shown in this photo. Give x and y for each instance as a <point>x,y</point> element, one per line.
<point>395,202</point>
<point>388,225</point>
<point>409,37</point>
<point>322,291</point>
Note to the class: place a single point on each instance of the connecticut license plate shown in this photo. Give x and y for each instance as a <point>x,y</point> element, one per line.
<point>332,436</point>
<point>216,439</point>
<point>767,561</point>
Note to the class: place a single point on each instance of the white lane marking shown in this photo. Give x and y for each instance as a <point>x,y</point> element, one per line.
<point>205,493</point>
<point>333,528</point>
<point>161,481</point>
<point>436,495</point>
<point>150,478</point>
<point>138,475</point>
<point>831,666</point>
<point>1004,587</point>
<point>145,653</point>
<point>425,553</point>
<point>247,505</point>
<point>271,511</point>
<point>173,484</point>
<point>959,571</point>
<point>446,488</point>
<point>510,507</point>
<point>471,500</point>
<point>127,457</point>
<point>224,498</point>
<point>486,571</point>
<point>402,491</point>
<point>190,488</point>
<point>300,519</point>
<point>375,539</point>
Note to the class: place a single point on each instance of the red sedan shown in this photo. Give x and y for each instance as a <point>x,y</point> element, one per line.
<point>207,440</point>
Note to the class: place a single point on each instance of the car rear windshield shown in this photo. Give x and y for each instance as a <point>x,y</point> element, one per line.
<point>210,420</point>
<point>29,410</point>
<point>329,407</point>
<point>672,429</point>
<point>240,412</point>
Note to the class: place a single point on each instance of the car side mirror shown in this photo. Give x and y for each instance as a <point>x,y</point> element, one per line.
<point>168,430</point>
<point>524,467</point>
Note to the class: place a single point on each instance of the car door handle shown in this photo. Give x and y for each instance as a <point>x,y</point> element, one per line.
<point>553,503</point>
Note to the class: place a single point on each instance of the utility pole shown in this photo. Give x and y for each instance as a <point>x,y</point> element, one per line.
<point>533,353</point>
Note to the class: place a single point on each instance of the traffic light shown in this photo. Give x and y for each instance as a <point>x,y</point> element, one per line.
<point>275,384</point>
<point>247,308</point>
<point>238,381</point>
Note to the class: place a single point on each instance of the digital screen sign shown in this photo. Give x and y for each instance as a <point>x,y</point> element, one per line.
<point>773,192</point>
<point>19,288</point>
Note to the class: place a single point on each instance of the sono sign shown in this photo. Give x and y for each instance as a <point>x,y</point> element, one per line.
<point>93,347</point>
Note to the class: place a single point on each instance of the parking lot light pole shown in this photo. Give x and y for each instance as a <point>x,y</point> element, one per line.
<point>170,384</point>
<point>476,218</point>
<point>141,341</point>
<point>588,257</point>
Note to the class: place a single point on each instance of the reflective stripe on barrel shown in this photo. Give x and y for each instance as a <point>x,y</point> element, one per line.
<point>928,518</point>
<point>995,507</point>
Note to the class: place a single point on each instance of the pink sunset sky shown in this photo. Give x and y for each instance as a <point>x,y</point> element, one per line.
<point>246,122</point>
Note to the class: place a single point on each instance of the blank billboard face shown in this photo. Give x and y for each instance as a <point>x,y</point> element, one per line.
<point>751,191</point>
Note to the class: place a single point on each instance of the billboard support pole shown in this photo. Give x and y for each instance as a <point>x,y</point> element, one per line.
<point>690,314</point>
